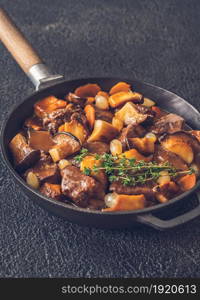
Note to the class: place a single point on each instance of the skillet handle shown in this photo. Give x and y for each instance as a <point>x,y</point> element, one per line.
<point>24,54</point>
<point>157,223</point>
<point>16,43</point>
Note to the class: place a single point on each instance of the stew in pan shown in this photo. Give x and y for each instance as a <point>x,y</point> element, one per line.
<point>106,150</point>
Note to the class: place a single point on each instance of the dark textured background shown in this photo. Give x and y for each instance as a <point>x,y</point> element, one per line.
<point>156,41</point>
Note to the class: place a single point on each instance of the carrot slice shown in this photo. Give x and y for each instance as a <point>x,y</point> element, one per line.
<point>104,94</point>
<point>128,202</point>
<point>187,182</point>
<point>61,128</point>
<point>120,87</point>
<point>90,100</point>
<point>87,90</point>
<point>134,154</point>
<point>90,114</point>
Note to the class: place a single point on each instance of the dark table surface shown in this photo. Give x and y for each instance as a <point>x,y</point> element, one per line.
<point>155,41</point>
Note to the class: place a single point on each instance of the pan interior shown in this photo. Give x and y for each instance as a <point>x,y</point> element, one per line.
<point>163,98</point>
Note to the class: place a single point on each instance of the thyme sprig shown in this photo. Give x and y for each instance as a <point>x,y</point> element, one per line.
<point>129,171</point>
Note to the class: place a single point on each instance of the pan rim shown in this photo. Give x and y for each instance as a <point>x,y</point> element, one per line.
<point>146,210</point>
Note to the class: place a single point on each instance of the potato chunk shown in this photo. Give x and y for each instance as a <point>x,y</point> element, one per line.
<point>103,131</point>
<point>130,115</point>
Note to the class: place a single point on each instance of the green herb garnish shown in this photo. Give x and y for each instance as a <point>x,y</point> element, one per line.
<point>129,171</point>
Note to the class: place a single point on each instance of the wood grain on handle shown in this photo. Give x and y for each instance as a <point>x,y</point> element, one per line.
<point>16,43</point>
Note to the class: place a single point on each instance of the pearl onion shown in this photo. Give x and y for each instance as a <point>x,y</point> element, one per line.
<point>151,136</point>
<point>110,199</point>
<point>164,177</point>
<point>115,147</point>
<point>101,102</point>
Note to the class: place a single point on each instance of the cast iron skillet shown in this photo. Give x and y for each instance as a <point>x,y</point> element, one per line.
<point>47,84</point>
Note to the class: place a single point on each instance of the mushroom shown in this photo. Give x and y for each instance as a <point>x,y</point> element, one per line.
<point>24,155</point>
<point>66,145</point>
<point>41,140</point>
<point>181,143</point>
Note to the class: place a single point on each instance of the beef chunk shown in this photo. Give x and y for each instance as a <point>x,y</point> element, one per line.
<point>51,190</point>
<point>168,124</point>
<point>162,155</point>
<point>119,188</point>
<point>146,111</point>
<point>33,123</point>
<point>79,187</point>
<point>97,147</point>
<point>56,118</point>
<point>80,118</point>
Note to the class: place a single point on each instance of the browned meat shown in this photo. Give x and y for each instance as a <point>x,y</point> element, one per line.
<point>168,124</point>
<point>130,131</point>
<point>52,191</point>
<point>150,114</point>
<point>33,123</point>
<point>46,172</point>
<point>161,155</point>
<point>81,118</point>
<point>80,187</point>
<point>119,188</point>
<point>145,110</point>
<point>97,147</point>
<point>186,137</point>
<point>24,156</point>
<point>45,157</point>
<point>73,98</point>
<point>103,115</point>
<point>54,119</point>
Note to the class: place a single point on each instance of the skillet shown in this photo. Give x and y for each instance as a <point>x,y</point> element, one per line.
<point>47,83</point>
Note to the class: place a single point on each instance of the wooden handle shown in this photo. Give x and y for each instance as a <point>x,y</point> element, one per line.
<point>17,45</point>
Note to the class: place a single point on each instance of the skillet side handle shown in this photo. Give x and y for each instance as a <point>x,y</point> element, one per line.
<point>24,54</point>
<point>159,224</point>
